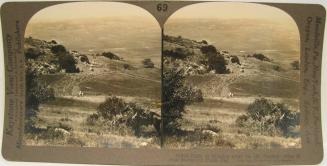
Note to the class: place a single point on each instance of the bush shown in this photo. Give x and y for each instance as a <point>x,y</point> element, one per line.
<point>84,58</point>
<point>175,97</point>
<point>53,42</point>
<point>209,49</point>
<point>58,49</point>
<point>261,57</point>
<point>147,63</point>
<point>36,93</point>
<point>265,116</point>
<point>65,126</point>
<point>235,59</point>
<point>295,65</point>
<point>51,133</point>
<point>177,53</point>
<point>75,141</point>
<point>217,63</point>
<point>111,55</point>
<point>92,119</point>
<point>68,63</point>
<point>118,112</point>
<point>32,53</point>
<point>204,42</point>
<point>111,108</point>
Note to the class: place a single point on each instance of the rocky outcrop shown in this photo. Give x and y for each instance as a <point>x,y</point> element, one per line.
<point>194,57</point>
<point>49,57</point>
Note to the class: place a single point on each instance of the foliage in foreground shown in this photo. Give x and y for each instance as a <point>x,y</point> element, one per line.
<point>175,97</point>
<point>36,93</point>
<point>268,118</point>
<point>117,112</point>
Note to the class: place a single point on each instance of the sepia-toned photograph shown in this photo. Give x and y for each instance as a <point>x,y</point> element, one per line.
<point>231,77</point>
<point>163,82</point>
<point>93,76</point>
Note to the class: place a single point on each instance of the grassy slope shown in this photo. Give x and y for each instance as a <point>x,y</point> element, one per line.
<point>259,79</point>
<point>108,78</point>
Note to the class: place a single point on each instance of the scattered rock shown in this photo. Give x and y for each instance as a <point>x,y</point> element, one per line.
<point>144,144</point>
<point>63,131</point>
<point>209,132</point>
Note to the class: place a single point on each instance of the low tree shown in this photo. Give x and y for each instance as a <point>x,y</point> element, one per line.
<point>216,61</point>
<point>36,93</point>
<point>32,53</point>
<point>67,62</point>
<point>175,97</point>
<point>58,49</point>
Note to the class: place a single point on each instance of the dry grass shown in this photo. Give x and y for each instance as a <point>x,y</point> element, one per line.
<point>253,79</point>
<point>221,114</point>
<point>70,114</point>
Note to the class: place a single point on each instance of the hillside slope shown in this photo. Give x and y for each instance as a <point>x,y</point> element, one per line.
<point>228,94</point>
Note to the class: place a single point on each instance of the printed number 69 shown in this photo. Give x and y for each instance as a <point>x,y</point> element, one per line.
<point>162,7</point>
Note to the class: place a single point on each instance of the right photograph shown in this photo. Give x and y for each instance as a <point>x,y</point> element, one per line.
<point>231,78</point>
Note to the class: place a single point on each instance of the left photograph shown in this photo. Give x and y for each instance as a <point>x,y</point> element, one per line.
<point>93,76</point>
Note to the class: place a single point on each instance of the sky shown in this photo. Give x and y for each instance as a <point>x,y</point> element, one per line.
<point>90,10</point>
<point>219,10</point>
<point>231,10</point>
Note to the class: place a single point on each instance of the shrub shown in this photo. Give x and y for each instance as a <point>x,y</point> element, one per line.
<point>32,53</point>
<point>111,55</point>
<point>119,112</point>
<point>58,49</point>
<point>208,49</point>
<point>178,53</point>
<point>111,107</point>
<point>67,62</point>
<point>36,93</point>
<point>175,97</point>
<point>265,116</point>
<point>92,119</point>
<point>235,59</point>
<point>66,119</point>
<point>217,63</point>
<point>75,141</point>
<point>51,133</point>
<point>295,65</point>
<point>147,63</point>
<point>204,42</point>
<point>85,59</point>
<point>65,126</point>
<point>261,57</point>
<point>53,42</point>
